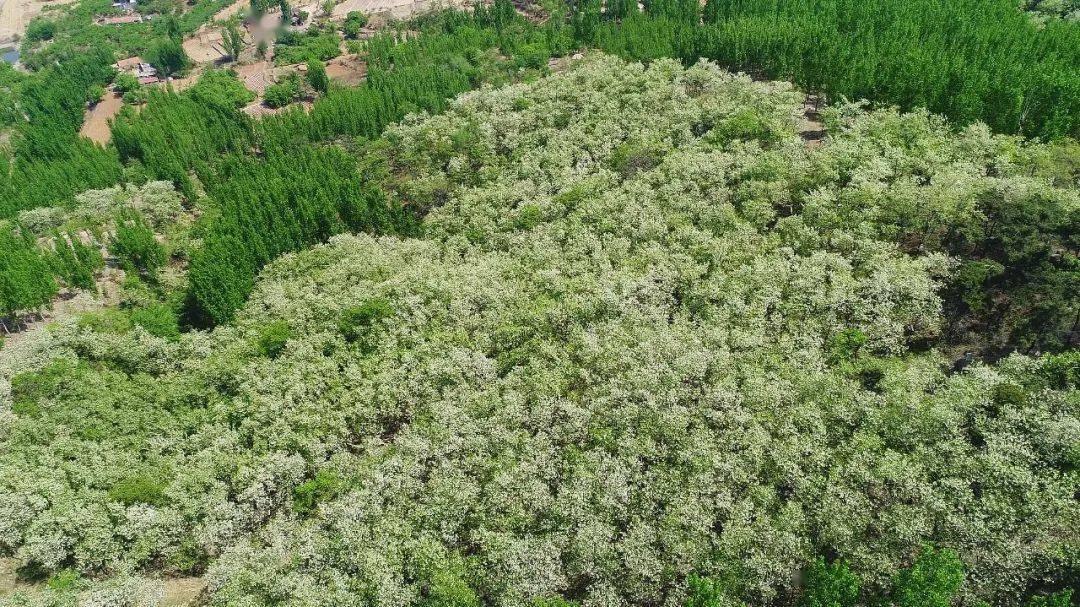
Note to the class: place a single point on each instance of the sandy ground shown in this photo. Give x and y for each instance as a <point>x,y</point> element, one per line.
<point>349,70</point>
<point>398,8</point>
<point>16,14</point>
<point>96,122</point>
<point>205,46</point>
<point>182,591</point>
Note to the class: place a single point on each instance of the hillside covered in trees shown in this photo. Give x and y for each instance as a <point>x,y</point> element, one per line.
<point>644,347</point>
<point>569,304</point>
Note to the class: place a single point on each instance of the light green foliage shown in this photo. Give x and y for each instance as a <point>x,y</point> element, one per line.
<point>141,488</point>
<point>292,48</point>
<point>273,337</point>
<point>581,381</point>
<point>283,93</point>
<point>157,319</point>
<point>316,76</point>
<point>308,495</point>
<point>126,82</point>
<point>221,89</point>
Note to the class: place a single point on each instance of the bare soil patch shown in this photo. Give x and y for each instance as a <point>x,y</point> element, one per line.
<point>15,15</point>
<point>96,121</point>
<point>349,70</point>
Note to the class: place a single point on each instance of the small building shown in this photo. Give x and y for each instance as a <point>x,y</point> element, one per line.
<point>137,67</point>
<point>126,5</point>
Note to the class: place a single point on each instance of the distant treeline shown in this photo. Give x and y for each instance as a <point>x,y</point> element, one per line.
<point>966,59</point>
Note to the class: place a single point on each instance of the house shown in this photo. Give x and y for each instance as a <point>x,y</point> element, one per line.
<point>138,68</point>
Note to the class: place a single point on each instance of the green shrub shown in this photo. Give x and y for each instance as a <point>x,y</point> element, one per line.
<point>845,345</point>
<point>139,488</point>
<point>308,495</point>
<point>630,158</point>
<point>357,322</point>
<point>189,558</point>
<point>125,82</point>
<point>316,76</point>
<point>746,124</point>
<point>75,263</point>
<point>282,93</point>
<point>65,579</point>
<point>135,245</point>
<point>159,320</point>
<point>706,592</point>
<point>932,581</point>
<point>30,388</point>
<point>1062,598</point>
<point>273,337</point>
<point>830,585</point>
<point>1062,371</point>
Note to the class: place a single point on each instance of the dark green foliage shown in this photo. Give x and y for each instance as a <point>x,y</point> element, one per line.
<point>169,57</point>
<point>830,585</point>
<point>932,581</point>
<point>357,322</point>
<point>273,337</point>
<point>971,279</point>
<point>268,207</point>
<point>50,162</point>
<point>139,488</point>
<point>177,134</point>
<point>1002,68</point>
<point>26,282</point>
<point>1058,599</point>
<point>74,262</point>
<point>354,23</point>
<point>621,9</point>
<point>135,245</point>
<point>676,10</point>
<point>308,495</point>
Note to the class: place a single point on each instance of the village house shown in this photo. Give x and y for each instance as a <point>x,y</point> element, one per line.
<point>136,66</point>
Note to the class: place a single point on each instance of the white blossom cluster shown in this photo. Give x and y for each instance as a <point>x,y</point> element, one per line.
<point>606,366</point>
<point>158,201</point>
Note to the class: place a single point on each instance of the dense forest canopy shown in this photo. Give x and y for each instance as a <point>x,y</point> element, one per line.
<point>649,348</point>
<point>556,311</point>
